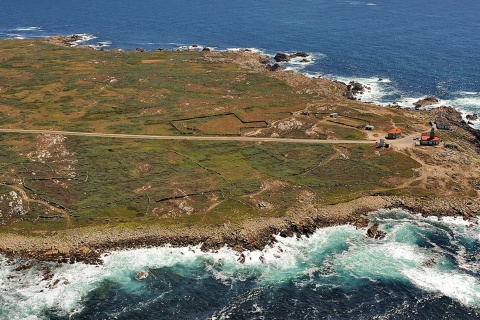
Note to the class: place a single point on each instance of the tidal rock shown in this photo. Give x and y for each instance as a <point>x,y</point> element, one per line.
<point>299,54</point>
<point>374,233</point>
<point>140,49</point>
<point>141,275</point>
<point>241,259</point>
<point>472,117</point>
<point>428,101</point>
<point>282,57</point>
<point>206,49</point>
<point>354,88</point>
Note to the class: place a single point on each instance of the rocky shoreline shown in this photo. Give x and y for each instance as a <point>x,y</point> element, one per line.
<point>87,245</point>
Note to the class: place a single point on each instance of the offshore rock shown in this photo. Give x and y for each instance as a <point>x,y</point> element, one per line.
<point>282,57</point>
<point>428,101</point>
<point>141,275</point>
<point>472,117</point>
<point>354,88</point>
<point>374,233</point>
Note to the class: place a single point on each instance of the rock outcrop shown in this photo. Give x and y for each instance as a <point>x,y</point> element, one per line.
<point>374,233</point>
<point>354,88</point>
<point>425,102</point>
<point>284,57</point>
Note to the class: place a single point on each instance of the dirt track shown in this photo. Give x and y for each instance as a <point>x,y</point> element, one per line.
<point>190,138</point>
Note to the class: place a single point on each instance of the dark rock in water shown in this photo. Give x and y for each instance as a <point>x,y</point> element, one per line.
<point>241,259</point>
<point>140,50</point>
<point>24,266</point>
<point>354,88</point>
<point>472,117</point>
<point>429,263</point>
<point>305,60</point>
<point>206,49</point>
<point>141,275</point>
<point>428,101</point>
<point>282,57</point>
<point>299,54</point>
<point>374,233</point>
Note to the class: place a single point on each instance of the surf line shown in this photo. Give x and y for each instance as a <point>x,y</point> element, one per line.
<point>188,138</point>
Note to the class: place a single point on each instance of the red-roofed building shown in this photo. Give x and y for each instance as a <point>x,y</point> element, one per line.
<point>429,138</point>
<point>394,133</point>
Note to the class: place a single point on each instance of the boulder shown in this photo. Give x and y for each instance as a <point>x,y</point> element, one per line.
<point>428,101</point>
<point>274,67</point>
<point>354,88</point>
<point>374,233</point>
<point>282,57</point>
<point>141,275</point>
<point>472,117</point>
<point>299,54</point>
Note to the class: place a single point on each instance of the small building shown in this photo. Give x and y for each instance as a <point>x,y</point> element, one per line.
<point>333,115</point>
<point>369,127</point>
<point>394,133</point>
<point>442,123</point>
<point>429,138</point>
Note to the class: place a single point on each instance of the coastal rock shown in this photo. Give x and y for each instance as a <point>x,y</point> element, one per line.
<point>428,101</point>
<point>141,275</point>
<point>472,117</point>
<point>374,233</point>
<point>274,67</point>
<point>140,49</point>
<point>354,88</point>
<point>282,57</point>
<point>299,54</point>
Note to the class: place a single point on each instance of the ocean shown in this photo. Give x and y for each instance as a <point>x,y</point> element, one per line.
<point>426,268</point>
<point>404,50</point>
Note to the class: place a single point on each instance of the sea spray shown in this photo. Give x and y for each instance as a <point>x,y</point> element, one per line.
<point>338,269</point>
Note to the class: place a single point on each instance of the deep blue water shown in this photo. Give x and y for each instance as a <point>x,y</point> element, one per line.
<point>418,47</point>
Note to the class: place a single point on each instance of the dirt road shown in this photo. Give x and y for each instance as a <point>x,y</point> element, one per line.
<point>190,138</point>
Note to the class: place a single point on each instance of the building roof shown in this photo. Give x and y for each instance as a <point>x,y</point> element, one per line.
<point>394,130</point>
<point>426,137</point>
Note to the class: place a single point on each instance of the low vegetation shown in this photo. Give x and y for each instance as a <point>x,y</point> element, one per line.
<point>51,182</point>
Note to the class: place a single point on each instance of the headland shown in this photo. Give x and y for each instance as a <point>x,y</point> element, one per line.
<point>71,198</point>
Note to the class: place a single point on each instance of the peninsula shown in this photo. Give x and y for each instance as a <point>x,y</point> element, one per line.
<point>119,149</point>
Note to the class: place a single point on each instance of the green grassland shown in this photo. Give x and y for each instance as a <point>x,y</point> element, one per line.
<point>83,181</point>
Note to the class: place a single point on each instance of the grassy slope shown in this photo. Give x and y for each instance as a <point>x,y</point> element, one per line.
<point>80,181</point>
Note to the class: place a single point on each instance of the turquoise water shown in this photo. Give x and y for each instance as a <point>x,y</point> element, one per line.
<point>424,265</point>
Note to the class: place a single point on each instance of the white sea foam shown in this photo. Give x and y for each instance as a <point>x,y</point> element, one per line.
<point>254,50</point>
<point>84,38</point>
<point>15,36</point>
<point>376,88</point>
<point>329,253</point>
<point>28,29</point>
<point>461,287</point>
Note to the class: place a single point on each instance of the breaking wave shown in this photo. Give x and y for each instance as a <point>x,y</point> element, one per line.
<point>421,257</point>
